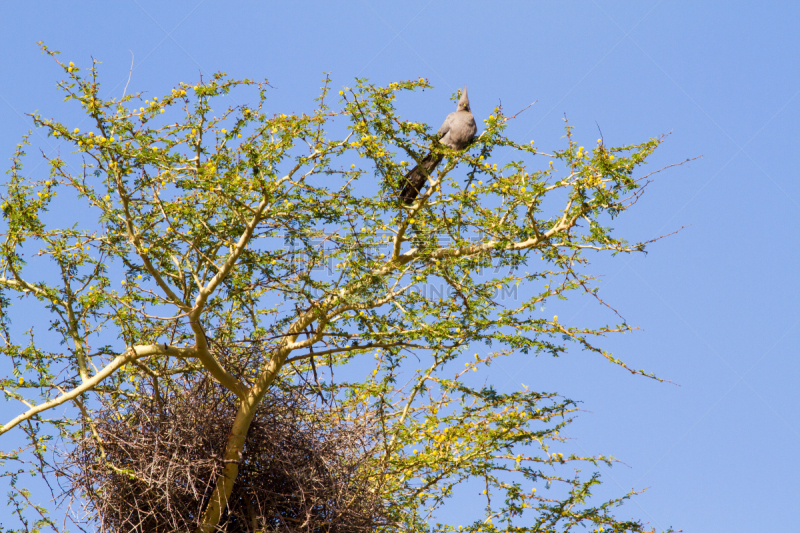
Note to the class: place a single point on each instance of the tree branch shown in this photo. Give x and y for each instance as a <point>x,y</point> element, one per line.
<point>121,360</point>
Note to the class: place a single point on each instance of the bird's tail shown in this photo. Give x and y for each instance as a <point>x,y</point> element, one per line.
<point>416,177</point>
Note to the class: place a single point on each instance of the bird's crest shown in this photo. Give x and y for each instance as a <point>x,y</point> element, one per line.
<point>463,102</point>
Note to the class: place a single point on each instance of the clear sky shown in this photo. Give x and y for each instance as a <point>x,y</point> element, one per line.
<point>716,303</point>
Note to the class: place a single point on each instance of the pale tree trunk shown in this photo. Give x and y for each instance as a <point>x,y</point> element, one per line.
<point>233,455</point>
<point>248,404</point>
<point>233,449</point>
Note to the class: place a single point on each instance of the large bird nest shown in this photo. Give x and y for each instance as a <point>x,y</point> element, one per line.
<point>156,463</point>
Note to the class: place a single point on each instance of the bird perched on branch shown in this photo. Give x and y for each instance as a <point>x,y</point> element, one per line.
<point>456,132</point>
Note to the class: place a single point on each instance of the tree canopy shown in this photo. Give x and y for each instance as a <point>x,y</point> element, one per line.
<point>195,262</point>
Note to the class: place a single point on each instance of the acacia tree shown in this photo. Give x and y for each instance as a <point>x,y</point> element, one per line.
<point>246,249</point>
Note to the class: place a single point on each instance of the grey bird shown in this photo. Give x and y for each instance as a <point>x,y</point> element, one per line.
<point>456,132</point>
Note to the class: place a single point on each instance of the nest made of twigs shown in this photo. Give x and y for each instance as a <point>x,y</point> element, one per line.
<point>155,467</point>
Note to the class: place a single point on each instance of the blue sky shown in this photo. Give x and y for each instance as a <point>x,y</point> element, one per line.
<point>716,303</point>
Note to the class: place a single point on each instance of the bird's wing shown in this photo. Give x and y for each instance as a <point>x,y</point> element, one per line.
<point>448,122</point>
